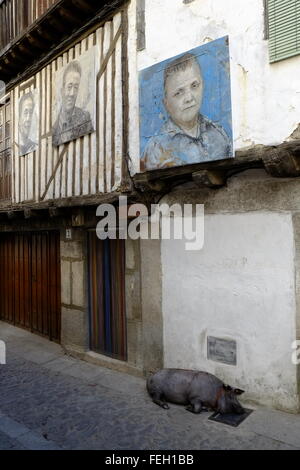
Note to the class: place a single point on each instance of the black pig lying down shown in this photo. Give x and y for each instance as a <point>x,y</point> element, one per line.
<point>198,390</point>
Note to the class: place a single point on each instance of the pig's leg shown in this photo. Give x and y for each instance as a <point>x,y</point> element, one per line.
<point>157,398</point>
<point>195,406</point>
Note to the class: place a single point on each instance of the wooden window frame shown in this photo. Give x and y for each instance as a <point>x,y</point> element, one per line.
<point>266,19</point>
<point>5,150</point>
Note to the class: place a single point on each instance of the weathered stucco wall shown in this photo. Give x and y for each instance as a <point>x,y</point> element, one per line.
<point>241,286</point>
<point>244,284</point>
<point>265,97</point>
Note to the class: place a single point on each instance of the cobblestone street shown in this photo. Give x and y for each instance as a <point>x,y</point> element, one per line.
<point>52,401</point>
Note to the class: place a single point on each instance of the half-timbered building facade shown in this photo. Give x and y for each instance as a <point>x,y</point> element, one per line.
<point>51,181</point>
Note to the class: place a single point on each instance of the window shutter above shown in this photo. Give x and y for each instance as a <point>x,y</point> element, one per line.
<point>284,29</point>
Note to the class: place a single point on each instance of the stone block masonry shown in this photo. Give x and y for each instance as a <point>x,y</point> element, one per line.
<point>74,291</point>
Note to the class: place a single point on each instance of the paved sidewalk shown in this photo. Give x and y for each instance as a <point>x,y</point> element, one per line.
<point>52,401</point>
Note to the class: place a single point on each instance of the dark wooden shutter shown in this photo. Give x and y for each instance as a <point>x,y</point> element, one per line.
<point>30,282</point>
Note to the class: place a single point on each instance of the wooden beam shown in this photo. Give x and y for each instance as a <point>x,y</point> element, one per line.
<point>56,24</point>
<point>58,163</point>
<point>12,214</point>
<point>18,57</point>
<point>50,34</point>
<point>25,51</point>
<point>238,163</point>
<point>209,178</point>
<point>67,203</point>
<point>10,64</point>
<point>37,41</point>
<point>55,212</point>
<point>68,16</point>
<point>30,214</point>
<point>83,5</point>
<point>282,163</point>
<point>143,184</point>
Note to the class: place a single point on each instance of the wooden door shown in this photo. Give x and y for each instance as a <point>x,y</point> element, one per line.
<point>30,282</point>
<point>107,297</point>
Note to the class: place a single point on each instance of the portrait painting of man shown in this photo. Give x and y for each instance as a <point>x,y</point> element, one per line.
<point>75,100</point>
<point>190,121</point>
<point>28,122</point>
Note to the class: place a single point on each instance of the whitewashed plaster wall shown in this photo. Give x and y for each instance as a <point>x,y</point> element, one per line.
<point>240,287</point>
<point>265,97</point>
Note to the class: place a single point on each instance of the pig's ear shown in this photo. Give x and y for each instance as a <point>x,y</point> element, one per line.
<point>227,388</point>
<point>238,391</point>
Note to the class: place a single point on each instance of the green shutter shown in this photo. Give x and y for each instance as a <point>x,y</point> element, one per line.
<point>284,29</point>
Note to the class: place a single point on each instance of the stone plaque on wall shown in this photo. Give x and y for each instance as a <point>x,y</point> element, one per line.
<point>221,350</point>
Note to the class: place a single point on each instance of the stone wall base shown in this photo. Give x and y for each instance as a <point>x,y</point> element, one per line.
<point>103,361</point>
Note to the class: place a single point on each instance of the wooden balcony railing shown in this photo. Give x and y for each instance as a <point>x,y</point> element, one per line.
<point>17,15</point>
<point>32,31</point>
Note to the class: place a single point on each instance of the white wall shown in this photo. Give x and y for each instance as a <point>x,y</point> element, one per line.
<point>239,287</point>
<point>265,97</point>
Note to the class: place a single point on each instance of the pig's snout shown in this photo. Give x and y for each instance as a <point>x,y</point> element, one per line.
<point>228,402</point>
<point>239,410</point>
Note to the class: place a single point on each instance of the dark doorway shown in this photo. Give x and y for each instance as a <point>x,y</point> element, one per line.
<point>107,297</point>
